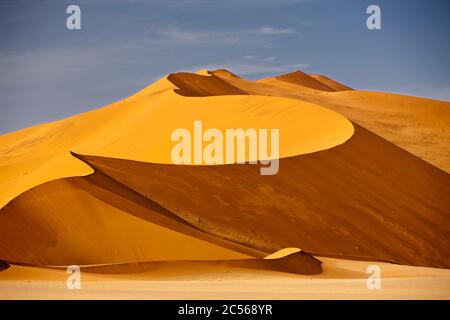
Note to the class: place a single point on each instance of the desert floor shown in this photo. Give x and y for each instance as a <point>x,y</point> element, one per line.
<point>341,279</point>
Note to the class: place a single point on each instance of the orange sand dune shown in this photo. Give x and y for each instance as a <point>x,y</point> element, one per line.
<point>87,220</point>
<point>302,79</point>
<point>99,187</point>
<point>333,84</point>
<point>297,263</point>
<point>41,153</point>
<point>418,125</point>
<point>194,85</point>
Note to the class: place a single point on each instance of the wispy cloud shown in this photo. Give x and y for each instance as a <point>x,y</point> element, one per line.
<point>183,36</point>
<point>190,37</point>
<point>272,31</point>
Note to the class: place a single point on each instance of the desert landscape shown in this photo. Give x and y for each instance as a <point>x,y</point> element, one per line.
<point>363,181</point>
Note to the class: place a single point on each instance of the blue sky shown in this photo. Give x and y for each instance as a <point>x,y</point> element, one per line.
<point>48,72</point>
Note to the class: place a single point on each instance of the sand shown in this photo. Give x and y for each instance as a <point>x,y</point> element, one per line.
<point>363,180</point>
<point>39,154</point>
<point>341,279</point>
<point>417,125</point>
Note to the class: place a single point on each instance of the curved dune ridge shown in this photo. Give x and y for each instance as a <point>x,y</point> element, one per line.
<point>294,262</point>
<point>333,84</point>
<point>121,130</point>
<point>99,189</point>
<point>358,200</point>
<point>418,125</point>
<point>282,253</point>
<point>302,79</point>
<point>195,85</point>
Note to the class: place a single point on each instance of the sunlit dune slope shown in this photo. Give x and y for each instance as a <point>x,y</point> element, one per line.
<point>140,128</point>
<point>417,125</point>
<point>365,199</point>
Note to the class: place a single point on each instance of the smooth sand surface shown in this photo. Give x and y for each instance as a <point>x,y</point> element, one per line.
<point>341,279</point>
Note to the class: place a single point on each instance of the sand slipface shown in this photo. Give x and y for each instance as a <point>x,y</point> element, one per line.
<point>100,189</point>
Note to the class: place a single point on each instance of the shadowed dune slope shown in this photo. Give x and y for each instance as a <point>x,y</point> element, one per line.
<point>331,83</point>
<point>194,85</point>
<point>3,265</point>
<point>116,231</point>
<point>300,263</point>
<point>95,220</point>
<point>365,199</point>
<point>78,221</point>
<point>301,78</point>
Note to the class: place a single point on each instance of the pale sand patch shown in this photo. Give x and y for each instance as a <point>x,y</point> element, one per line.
<point>342,279</point>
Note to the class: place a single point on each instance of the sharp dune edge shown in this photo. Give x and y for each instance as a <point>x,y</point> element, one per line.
<point>98,189</point>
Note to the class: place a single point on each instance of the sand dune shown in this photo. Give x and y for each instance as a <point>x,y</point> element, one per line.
<point>41,153</point>
<point>74,221</point>
<point>99,189</point>
<point>333,84</point>
<point>348,224</point>
<point>194,85</point>
<point>381,202</point>
<point>417,125</point>
<point>302,79</point>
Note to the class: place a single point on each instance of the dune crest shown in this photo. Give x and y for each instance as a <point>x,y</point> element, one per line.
<point>302,79</point>
<point>121,130</point>
<point>199,85</point>
<point>282,253</point>
<point>333,84</point>
<point>418,125</point>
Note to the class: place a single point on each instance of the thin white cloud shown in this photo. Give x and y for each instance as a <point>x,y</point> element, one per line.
<point>182,36</point>
<point>272,31</point>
